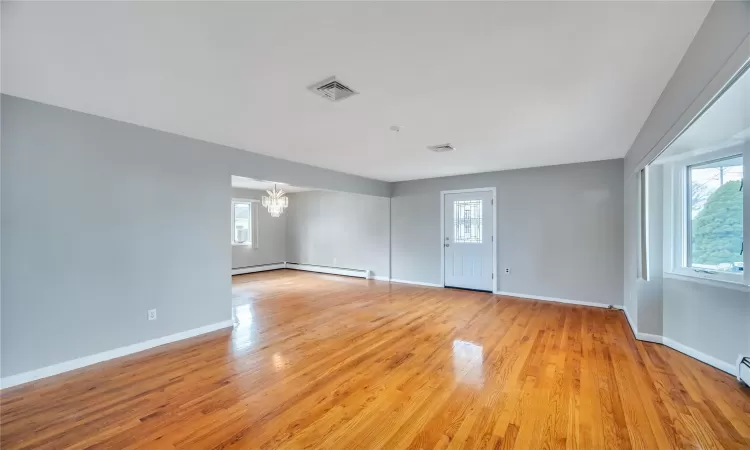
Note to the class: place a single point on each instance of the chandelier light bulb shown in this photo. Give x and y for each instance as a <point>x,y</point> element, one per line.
<point>275,202</point>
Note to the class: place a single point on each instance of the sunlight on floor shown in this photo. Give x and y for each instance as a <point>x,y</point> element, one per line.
<point>468,363</point>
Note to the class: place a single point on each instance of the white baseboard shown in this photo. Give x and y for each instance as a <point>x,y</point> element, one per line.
<point>689,351</point>
<point>646,337</point>
<point>708,359</point>
<point>554,299</point>
<point>655,338</point>
<point>630,322</point>
<point>253,269</point>
<point>380,278</point>
<point>416,283</point>
<point>74,364</point>
<point>329,270</point>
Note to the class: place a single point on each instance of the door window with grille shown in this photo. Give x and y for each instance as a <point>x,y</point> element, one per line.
<point>467,221</point>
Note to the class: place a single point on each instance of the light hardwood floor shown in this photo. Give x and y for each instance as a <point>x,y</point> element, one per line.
<point>327,362</point>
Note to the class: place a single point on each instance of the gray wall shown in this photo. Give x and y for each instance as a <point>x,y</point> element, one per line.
<point>559,230</point>
<point>339,230</point>
<point>103,220</point>
<point>649,293</point>
<point>709,319</point>
<point>271,246</point>
<point>719,49</point>
<point>630,236</point>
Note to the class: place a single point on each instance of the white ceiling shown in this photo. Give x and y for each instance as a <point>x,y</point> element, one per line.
<point>726,123</point>
<point>259,185</point>
<point>510,84</point>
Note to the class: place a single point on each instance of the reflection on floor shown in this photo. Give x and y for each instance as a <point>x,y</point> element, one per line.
<point>318,361</point>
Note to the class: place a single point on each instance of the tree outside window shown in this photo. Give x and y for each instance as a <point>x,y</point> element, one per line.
<point>716,239</point>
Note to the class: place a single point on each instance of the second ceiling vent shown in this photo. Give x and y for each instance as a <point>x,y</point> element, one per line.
<point>332,89</point>
<point>441,148</point>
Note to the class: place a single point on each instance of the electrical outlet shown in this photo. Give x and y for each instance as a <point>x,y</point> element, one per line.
<point>151,314</point>
<point>507,270</point>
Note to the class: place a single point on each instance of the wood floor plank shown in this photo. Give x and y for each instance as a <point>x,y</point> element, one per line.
<point>318,361</point>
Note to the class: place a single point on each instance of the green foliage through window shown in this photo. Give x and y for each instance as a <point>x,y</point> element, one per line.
<point>717,228</point>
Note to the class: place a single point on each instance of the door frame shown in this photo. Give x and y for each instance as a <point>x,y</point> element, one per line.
<point>494,232</point>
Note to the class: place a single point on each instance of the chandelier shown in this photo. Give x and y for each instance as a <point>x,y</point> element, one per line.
<point>275,202</point>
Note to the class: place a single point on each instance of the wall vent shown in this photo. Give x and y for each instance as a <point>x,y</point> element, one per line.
<point>441,148</point>
<point>332,89</point>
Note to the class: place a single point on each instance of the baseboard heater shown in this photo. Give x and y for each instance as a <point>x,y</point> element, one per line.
<point>358,273</point>
<point>743,370</point>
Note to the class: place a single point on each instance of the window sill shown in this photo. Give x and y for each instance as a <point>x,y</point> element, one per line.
<point>242,245</point>
<point>734,285</point>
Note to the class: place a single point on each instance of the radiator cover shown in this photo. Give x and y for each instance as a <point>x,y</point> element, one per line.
<point>743,370</point>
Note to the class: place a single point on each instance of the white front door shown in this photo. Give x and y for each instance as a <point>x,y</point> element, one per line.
<point>468,240</point>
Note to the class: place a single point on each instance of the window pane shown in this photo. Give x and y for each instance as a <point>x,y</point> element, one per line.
<point>467,221</point>
<point>242,223</point>
<point>715,216</point>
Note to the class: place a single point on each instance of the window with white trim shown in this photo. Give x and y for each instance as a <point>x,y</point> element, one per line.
<point>242,216</point>
<point>704,193</point>
<point>713,219</point>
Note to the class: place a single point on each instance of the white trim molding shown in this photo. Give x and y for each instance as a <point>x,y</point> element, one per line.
<point>557,300</point>
<point>735,286</point>
<point>78,363</point>
<point>684,349</point>
<point>655,338</point>
<point>253,269</point>
<point>380,278</point>
<point>700,356</point>
<point>358,273</point>
<point>416,283</point>
<point>630,319</point>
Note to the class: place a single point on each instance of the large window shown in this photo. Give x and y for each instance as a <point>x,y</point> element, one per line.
<point>242,222</point>
<point>714,218</point>
<point>704,192</point>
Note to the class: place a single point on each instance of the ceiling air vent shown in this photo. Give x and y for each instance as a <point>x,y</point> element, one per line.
<point>332,89</point>
<point>441,148</point>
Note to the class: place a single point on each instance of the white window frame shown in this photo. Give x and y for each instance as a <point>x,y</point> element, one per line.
<point>676,199</point>
<point>252,203</point>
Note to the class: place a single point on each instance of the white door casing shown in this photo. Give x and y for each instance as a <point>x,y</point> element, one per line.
<point>468,239</point>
